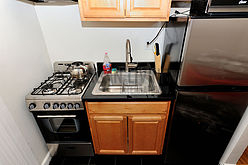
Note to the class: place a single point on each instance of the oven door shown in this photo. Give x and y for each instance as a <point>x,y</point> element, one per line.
<point>61,127</point>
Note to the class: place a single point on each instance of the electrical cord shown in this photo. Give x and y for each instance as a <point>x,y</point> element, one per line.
<point>149,43</point>
<point>165,24</point>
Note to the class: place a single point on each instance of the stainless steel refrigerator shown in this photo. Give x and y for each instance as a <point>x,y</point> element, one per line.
<point>212,89</point>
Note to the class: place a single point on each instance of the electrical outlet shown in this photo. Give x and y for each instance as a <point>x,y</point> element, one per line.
<point>148,47</point>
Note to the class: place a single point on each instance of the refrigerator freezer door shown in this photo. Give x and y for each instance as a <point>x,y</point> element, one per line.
<point>215,53</point>
<point>226,6</point>
<point>227,3</point>
<point>203,124</point>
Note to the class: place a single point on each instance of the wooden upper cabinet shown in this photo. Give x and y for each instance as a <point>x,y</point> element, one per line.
<point>109,134</point>
<point>102,8</point>
<point>151,8</point>
<point>146,134</point>
<point>124,10</point>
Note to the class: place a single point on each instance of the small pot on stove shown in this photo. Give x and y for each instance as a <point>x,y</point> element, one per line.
<point>78,70</point>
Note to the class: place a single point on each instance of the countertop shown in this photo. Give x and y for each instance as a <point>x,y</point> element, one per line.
<point>164,80</point>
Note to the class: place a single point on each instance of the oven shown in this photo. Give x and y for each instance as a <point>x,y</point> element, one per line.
<point>63,126</point>
<point>59,111</point>
<point>70,130</point>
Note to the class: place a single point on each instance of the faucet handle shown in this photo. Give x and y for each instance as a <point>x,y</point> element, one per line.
<point>132,65</point>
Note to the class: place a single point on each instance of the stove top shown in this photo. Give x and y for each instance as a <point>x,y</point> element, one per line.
<point>60,91</point>
<point>61,83</point>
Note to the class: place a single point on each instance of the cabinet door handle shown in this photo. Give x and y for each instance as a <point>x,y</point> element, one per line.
<point>146,118</point>
<point>108,118</point>
<point>56,116</point>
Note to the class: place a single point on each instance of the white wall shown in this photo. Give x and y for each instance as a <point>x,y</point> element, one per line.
<point>24,64</point>
<point>238,142</point>
<point>67,39</point>
<point>14,148</point>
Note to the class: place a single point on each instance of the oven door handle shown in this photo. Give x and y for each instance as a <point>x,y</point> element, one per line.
<point>56,116</point>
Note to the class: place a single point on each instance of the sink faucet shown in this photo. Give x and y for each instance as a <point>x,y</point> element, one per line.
<point>129,58</point>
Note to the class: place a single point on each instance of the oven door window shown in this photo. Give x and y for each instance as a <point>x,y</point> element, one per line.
<point>63,125</point>
<point>60,124</point>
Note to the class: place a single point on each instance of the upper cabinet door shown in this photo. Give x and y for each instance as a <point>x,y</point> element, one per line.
<point>102,8</point>
<point>148,8</point>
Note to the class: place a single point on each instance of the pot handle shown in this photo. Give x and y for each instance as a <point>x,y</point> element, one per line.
<point>77,63</point>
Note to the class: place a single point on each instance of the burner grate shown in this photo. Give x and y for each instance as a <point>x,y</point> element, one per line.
<point>53,84</point>
<point>61,83</point>
<point>74,86</point>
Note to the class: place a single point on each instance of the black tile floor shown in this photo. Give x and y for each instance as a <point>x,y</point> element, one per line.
<point>108,160</point>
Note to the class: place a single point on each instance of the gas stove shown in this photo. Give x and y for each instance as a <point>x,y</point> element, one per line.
<point>60,92</point>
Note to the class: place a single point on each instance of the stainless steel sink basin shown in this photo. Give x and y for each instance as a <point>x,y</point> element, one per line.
<point>141,82</point>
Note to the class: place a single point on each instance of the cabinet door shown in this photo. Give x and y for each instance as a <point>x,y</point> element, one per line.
<point>102,8</point>
<point>151,8</point>
<point>109,134</point>
<point>146,134</point>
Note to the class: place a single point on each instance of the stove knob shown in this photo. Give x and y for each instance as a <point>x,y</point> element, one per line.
<point>46,105</point>
<point>70,106</point>
<point>55,105</point>
<point>62,105</point>
<point>77,105</point>
<point>32,106</point>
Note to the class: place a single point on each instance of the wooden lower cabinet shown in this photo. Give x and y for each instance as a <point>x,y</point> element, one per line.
<point>146,134</point>
<point>109,134</point>
<point>244,158</point>
<point>127,133</point>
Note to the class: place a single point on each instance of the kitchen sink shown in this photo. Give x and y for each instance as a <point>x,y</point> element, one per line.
<point>141,82</point>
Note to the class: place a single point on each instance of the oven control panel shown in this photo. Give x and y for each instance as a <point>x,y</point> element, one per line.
<point>40,105</point>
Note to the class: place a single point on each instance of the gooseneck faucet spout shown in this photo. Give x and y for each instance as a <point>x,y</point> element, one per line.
<point>129,58</point>
<point>128,54</point>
